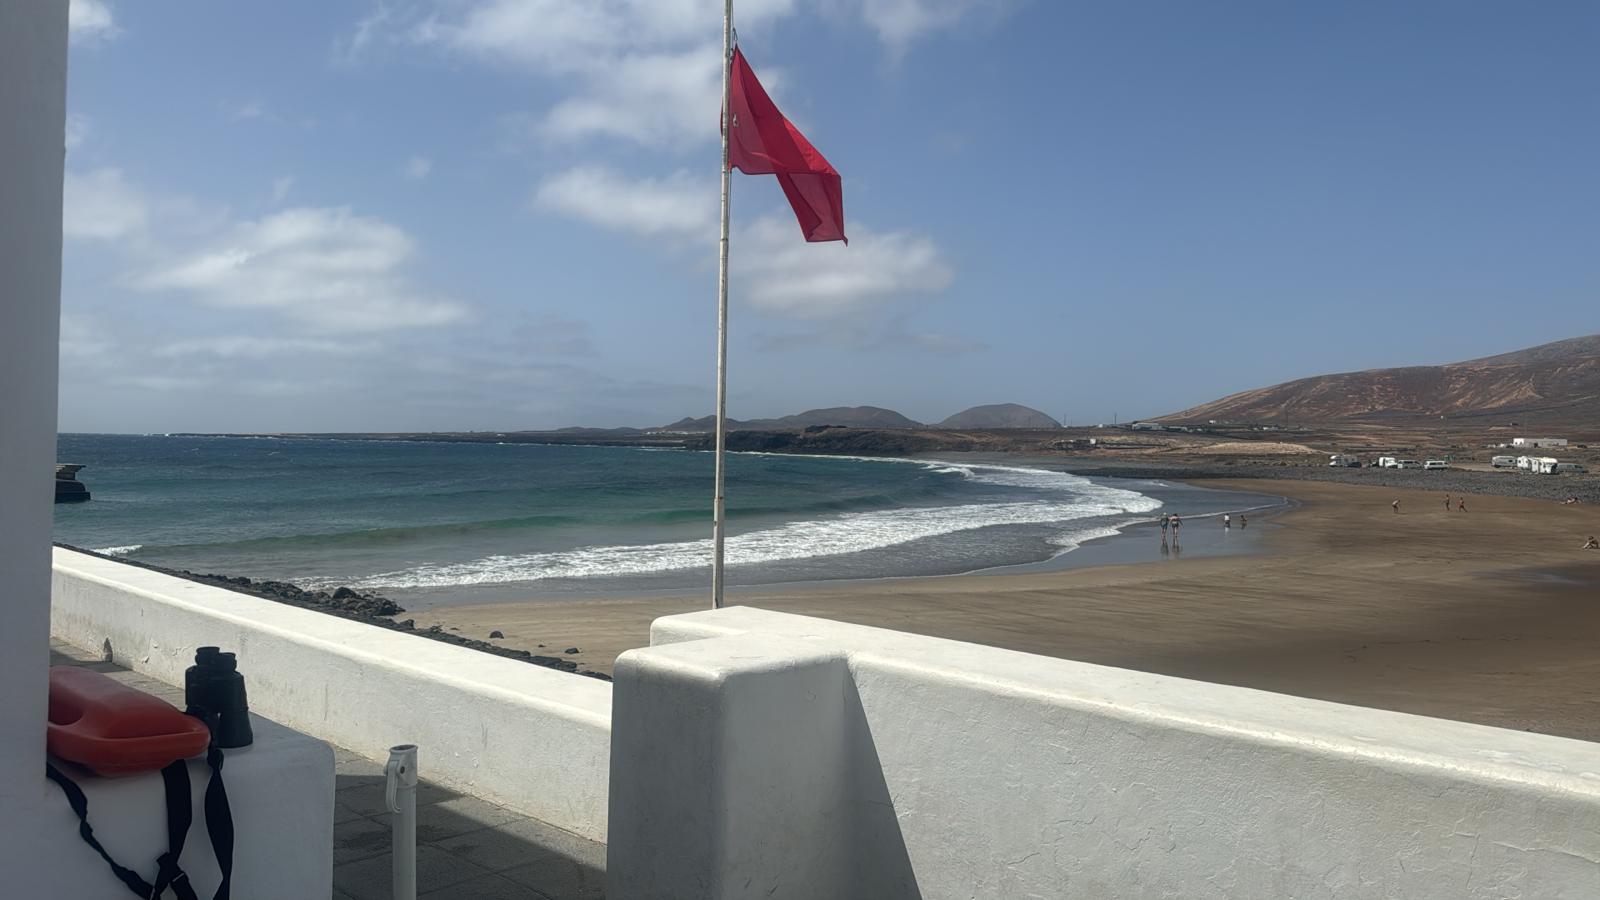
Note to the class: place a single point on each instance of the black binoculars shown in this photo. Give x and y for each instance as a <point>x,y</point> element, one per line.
<point>213,689</point>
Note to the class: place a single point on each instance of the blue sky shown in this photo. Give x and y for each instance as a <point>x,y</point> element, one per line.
<point>495,214</point>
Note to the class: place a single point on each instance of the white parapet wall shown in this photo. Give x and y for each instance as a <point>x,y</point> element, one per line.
<point>533,739</point>
<point>758,754</point>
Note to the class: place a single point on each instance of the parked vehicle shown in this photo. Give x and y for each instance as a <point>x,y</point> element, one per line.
<point>1342,461</point>
<point>1568,469</point>
<point>1434,465</point>
<point>1504,462</point>
<point>1407,464</point>
<point>1387,462</point>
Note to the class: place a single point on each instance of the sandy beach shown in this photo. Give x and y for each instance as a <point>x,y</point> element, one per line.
<point>1491,615</point>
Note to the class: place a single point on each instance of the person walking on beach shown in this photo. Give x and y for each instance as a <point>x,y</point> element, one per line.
<point>1175,523</point>
<point>1226,522</point>
<point>1396,506</point>
<point>1164,521</point>
<point>1461,504</point>
<point>1243,521</point>
<point>1446,502</point>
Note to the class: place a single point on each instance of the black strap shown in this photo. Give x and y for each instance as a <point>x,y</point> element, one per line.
<point>80,808</point>
<point>180,814</point>
<point>219,822</point>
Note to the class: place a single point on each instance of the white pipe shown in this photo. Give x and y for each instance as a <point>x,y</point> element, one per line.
<point>400,796</point>
<point>718,517</point>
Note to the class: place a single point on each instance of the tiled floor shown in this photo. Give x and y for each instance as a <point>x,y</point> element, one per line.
<point>466,848</point>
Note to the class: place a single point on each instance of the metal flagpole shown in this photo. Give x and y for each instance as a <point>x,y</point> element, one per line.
<point>718,522</point>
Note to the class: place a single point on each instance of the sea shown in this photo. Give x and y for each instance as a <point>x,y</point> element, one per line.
<point>433,523</point>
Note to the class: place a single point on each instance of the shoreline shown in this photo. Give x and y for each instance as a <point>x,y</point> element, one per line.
<point>1121,544</point>
<point>1488,616</point>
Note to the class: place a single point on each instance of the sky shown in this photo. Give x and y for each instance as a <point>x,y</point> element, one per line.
<point>363,215</point>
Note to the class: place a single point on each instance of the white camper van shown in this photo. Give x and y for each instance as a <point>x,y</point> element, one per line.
<point>1388,462</point>
<point>1339,460</point>
<point>1504,462</point>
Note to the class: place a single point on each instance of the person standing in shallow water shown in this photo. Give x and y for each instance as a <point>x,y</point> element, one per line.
<point>1175,523</point>
<point>1164,520</point>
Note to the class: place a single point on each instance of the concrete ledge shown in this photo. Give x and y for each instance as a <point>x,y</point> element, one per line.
<point>981,772</point>
<point>531,739</point>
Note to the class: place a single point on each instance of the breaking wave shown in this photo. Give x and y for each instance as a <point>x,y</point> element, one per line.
<point>1060,498</point>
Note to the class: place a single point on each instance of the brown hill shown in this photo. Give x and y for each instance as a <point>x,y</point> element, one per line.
<point>1557,383</point>
<point>852,416</point>
<point>1000,415</point>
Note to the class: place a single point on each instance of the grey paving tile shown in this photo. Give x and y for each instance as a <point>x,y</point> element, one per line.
<point>460,815</point>
<point>342,813</point>
<point>360,838</point>
<point>369,879</point>
<point>486,887</point>
<point>525,841</point>
<point>348,762</point>
<point>562,879</point>
<point>367,797</point>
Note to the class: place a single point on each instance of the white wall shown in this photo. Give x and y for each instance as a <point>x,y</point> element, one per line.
<point>978,772</point>
<point>533,739</point>
<point>33,72</point>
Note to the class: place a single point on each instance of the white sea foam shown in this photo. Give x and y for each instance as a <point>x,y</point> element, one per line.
<point>119,551</point>
<point>1066,497</point>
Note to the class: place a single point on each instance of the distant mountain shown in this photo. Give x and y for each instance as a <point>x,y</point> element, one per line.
<point>1557,383</point>
<point>1000,415</point>
<point>852,416</point>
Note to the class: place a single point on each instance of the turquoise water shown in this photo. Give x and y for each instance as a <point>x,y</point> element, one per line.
<point>445,521</point>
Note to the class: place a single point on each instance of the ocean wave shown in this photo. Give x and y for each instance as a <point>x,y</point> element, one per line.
<point>837,535</point>
<point>117,551</point>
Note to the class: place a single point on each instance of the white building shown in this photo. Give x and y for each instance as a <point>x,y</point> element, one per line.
<point>1535,443</point>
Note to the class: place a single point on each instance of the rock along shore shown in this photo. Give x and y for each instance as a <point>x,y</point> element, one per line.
<point>348,603</point>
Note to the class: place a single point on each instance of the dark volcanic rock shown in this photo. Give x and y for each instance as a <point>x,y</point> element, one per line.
<point>352,604</point>
<point>498,634</point>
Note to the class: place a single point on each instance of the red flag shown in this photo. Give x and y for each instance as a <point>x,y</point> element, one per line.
<point>763,142</point>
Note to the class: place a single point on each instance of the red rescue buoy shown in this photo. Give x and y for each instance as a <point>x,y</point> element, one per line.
<point>113,729</point>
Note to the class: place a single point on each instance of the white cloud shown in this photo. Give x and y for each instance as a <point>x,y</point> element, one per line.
<point>327,268</point>
<point>281,187</point>
<point>102,205</point>
<point>900,22</point>
<point>644,70</point>
<point>257,347</point>
<point>417,168</point>
<point>780,274</point>
<point>679,205</point>
<point>91,22</point>
<point>775,268</point>
<point>242,112</point>
<point>77,130</point>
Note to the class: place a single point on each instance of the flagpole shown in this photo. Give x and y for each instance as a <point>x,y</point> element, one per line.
<point>718,514</point>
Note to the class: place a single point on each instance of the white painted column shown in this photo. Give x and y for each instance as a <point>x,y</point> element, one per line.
<point>33,83</point>
<point>730,773</point>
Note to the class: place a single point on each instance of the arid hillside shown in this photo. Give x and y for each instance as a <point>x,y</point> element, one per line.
<point>1556,383</point>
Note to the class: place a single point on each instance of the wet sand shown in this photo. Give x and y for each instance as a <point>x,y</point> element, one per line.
<point>1490,615</point>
